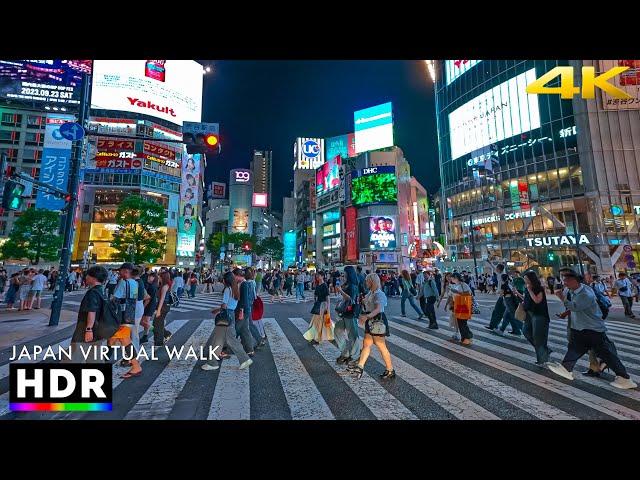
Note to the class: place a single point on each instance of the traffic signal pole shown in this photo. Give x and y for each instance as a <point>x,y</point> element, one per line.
<point>74,174</point>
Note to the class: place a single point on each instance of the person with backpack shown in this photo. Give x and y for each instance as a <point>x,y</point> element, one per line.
<point>90,309</point>
<point>252,295</point>
<point>165,301</point>
<point>458,290</point>
<point>151,287</point>
<point>536,324</point>
<point>602,297</point>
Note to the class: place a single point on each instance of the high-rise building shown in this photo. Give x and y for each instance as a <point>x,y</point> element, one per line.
<point>261,166</point>
<point>539,182</point>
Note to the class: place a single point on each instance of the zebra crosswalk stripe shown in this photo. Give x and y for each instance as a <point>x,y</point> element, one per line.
<point>587,399</point>
<point>303,397</point>
<point>158,400</point>
<point>231,397</point>
<point>376,398</point>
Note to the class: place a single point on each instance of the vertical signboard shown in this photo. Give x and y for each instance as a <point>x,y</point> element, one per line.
<point>523,188</point>
<point>189,202</point>
<point>289,248</point>
<point>514,193</point>
<point>351,235</point>
<point>56,157</point>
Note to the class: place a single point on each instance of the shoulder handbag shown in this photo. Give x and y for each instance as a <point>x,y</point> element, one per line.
<point>222,318</point>
<point>521,313</point>
<point>377,326</point>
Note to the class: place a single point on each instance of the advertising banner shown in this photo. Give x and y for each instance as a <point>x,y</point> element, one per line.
<point>217,190</point>
<point>374,185</point>
<point>373,128</point>
<point>343,145</point>
<point>499,113</point>
<point>188,209</point>
<point>382,232</point>
<point>454,68</point>
<point>107,145</point>
<point>240,220</point>
<point>309,153</point>
<point>127,163</point>
<point>289,240</point>
<point>166,89</point>
<point>240,177</point>
<point>328,175</point>
<point>514,193</point>
<point>53,82</point>
<point>628,81</point>
<point>260,200</point>
<point>523,188</point>
<point>56,157</point>
<point>351,234</point>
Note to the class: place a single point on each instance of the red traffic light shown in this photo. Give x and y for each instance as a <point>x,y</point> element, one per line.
<point>211,140</point>
<point>246,246</point>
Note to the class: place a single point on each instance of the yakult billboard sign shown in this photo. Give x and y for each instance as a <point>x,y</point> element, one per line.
<point>166,89</point>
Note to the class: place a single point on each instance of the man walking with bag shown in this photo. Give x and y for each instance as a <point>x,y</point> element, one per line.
<point>429,295</point>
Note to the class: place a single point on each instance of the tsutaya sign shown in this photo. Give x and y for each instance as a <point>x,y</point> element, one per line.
<point>507,216</point>
<point>558,240</point>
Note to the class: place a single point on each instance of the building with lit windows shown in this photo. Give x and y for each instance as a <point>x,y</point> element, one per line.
<point>539,182</point>
<point>261,168</point>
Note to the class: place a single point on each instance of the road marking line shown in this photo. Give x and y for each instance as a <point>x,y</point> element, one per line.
<point>304,399</point>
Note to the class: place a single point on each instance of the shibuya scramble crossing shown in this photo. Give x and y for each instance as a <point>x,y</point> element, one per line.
<point>458,241</point>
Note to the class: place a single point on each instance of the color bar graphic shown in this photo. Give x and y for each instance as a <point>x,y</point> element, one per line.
<point>60,407</point>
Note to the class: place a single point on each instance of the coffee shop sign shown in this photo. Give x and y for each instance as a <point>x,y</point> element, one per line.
<point>558,240</point>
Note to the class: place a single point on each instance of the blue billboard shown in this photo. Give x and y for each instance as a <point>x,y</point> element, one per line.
<point>289,248</point>
<point>56,157</point>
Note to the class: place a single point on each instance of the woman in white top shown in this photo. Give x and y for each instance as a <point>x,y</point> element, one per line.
<point>375,328</point>
<point>227,335</point>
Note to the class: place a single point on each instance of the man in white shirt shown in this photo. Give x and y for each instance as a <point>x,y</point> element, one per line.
<point>39,282</point>
<point>178,285</point>
<point>111,284</point>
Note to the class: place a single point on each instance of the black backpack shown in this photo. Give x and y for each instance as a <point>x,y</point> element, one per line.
<point>108,322</point>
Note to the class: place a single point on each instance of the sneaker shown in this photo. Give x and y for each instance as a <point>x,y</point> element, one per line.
<point>433,326</point>
<point>167,335</point>
<point>403,315</point>
<point>388,374</point>
<point>489,327</point>
<point>559,369</point>
<point>497,331</point>
<point>623,383</point>
<point>340,360</point>
<point>246,364</point>
<point>454,338</point>
<point>208,366</point>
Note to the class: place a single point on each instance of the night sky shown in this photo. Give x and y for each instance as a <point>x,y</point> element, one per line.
<point>265,105</point>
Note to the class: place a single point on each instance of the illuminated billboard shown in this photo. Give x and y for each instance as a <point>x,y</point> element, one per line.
<point>454,68</point>
<point>374,185</point>
<point>217,190</point>
<point>166,89</point>
<point>343,145</point>
<point>502,112</point>
<point>289,240</point>
<point>328,176</point>
<point>56,82</point>
<point>260,200</point>
<point>189,201</point>
<point>382,232</point>
<point>309,153</point>
<point>628,81</point>
<point>373,128</point>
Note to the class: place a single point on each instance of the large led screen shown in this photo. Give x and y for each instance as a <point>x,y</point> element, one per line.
<point>328,176</point>
<point>502,112</point>
<point>373,128</point>
<point>166,89</point>
<point>374,185</point>
<point>48,81</point>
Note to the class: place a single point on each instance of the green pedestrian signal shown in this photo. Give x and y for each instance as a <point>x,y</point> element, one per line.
<point>551,256</point>
<point>12,195</point>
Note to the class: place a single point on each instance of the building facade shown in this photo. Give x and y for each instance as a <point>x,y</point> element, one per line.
<point>533,180</point>
<point>262,169</point>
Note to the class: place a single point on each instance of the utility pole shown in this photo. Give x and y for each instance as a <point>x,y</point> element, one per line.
<point>74,173</point>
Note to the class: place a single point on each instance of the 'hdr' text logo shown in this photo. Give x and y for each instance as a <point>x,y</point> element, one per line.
<point>589,83</point>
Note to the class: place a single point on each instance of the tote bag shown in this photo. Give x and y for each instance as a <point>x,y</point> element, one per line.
<point>462,305</point>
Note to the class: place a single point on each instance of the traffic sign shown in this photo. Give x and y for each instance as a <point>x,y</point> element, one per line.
<point>627,248</point>
<point>71,131</point>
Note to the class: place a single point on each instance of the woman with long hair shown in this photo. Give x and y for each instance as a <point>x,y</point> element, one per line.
<point>193,284</point>
<point>446,294</point>
<point>160,334</point>
<point>226,335</point>
<point>406,293</point>
<point>320,328</point>
<point>376,328</point>
<point>458,287</point>
<point>347,326</point>
<point>256,327</point>
<point>536,325</point>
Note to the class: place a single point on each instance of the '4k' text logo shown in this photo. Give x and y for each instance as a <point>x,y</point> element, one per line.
<point>589,83</point>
